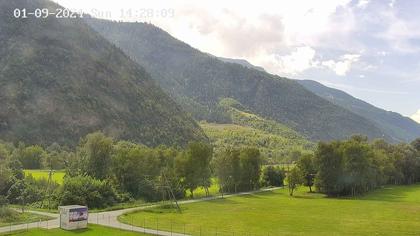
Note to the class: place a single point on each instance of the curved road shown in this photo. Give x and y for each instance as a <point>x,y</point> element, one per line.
<point>110,218</point>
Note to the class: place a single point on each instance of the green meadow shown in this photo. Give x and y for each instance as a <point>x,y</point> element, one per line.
<point>57,177</point>
<point>394,210</point>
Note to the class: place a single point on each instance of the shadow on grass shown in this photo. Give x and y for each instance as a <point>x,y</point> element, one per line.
<point>79,231</point>
<point>390,193</point>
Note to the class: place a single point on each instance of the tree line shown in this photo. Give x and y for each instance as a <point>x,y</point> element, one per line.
<point>101,172</point>
<point>357,166</point>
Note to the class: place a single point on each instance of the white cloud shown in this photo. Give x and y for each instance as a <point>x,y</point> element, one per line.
<point>392,3</point>
<point>363,3</point>
<point>299,60</point>
<point>342,66</point>
<point>400,33</point>
<point>416,116</point>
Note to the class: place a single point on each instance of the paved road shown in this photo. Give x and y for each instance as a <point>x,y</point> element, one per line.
<point>110,218</point>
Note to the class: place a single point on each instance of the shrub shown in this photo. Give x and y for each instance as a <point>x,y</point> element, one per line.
<point>85,190</point>
<point>272,176</point>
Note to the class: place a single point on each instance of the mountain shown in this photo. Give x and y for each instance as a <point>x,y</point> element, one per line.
<point>199,81</point>
<point>60,80</point>
<point>398,127</point>
<point>241,62</point>
<point>276,142</point>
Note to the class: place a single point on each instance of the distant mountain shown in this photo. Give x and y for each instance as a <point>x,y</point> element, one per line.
<point>396,126</point>
<point>199,81</point>
<point>60,80</point>
<point>241,62</point>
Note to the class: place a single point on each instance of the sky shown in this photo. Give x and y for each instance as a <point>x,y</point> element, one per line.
<point>368,48</point>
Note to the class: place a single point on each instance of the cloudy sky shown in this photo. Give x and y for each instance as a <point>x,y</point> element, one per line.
<point>368,48</point>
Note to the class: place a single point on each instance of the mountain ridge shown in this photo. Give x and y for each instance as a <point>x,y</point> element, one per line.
<point>60,80</point>
<point>399,127</point>
<point>188,74</point>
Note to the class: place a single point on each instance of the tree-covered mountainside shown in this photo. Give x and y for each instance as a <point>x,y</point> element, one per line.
<point>60,79</point>
<point>276,142</point>
<point>241,62</point>
<point>398,127</point>
<point>198,81</point>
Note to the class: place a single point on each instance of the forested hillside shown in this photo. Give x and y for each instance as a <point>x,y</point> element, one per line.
<point>199,81</point>
<point>60,80</point>
<point>398,127</point>
<point>277,143</point>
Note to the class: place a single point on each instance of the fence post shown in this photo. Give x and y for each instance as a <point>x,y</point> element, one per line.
<point>171,227</point>
<point>157,225</point>
<point>144,224</point>
<point>184,228</point>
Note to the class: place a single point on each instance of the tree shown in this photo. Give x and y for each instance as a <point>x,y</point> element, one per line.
<point>136,169</point>
<point>194,166</point>
<point>85,190</point>
<point>294,179</point>
<point>330,165</point>
<point>31,157</point>
<point>227,169</point>
<point>358,166</point>
<point>272,176</point>
<point>96,151</point>
<point>23,193</point>
<point>306,166</point>
<point>54,158</point>
<point>416,144</point>
<point>250,161</point>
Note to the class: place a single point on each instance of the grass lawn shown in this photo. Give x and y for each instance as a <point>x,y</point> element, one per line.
<point>394,210</point>
<point>90,231</point>
<point>200,192</point>
<point>21,218</point>
<point>57,177</point>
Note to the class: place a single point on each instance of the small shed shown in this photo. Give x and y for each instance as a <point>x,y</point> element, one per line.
<point>73,217</point>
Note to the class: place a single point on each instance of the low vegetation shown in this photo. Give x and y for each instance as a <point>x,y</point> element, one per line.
<point>11,217</point>
<point>392,210</point>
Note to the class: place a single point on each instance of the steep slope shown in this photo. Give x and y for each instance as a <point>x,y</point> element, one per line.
<point>60,80</point>
<point>241,62</point>
<point>398,127</point>
<point>198,81</point>
<point>275,141</point>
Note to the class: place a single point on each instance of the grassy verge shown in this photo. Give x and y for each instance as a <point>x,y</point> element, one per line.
<point>390,211</point>
<point>15,218</point>
<point>90,231</point>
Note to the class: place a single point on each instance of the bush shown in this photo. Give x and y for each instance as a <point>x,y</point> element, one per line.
<point>272,176</point>
<point>85,190</point>
<point>7,214</point>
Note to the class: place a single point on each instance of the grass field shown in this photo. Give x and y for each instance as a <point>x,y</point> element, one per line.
<point>21,218</point>
<point>389,211</point>
<point>58,176</point>
<point>200,192</point>
<point>92,230</point>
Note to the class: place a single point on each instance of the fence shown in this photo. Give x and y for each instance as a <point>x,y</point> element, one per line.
<point>166,227</point>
